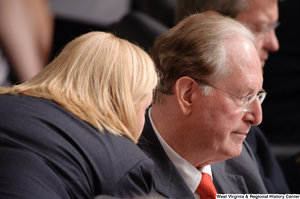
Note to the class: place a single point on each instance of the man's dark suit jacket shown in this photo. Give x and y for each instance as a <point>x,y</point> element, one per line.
<point>268,165</point>
<point>238,176</point>
<point>47,152</point>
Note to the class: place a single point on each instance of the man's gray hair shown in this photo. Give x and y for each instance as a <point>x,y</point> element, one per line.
<point>196,47</point>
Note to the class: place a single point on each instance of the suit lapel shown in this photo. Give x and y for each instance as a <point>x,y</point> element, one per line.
<point>226,182</point>
<point>167,180</point>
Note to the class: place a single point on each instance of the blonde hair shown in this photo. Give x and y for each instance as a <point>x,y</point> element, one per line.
<point>99,78</point>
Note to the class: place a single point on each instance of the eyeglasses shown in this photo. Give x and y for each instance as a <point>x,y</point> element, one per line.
<point>261,32</point>
<point>246,101</point>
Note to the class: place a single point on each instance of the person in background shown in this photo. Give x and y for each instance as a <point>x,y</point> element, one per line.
<point>70,131</point>
<point>26,35</point>
<point>210,93</point>
<point>74,18</point>
<point>261,17</point>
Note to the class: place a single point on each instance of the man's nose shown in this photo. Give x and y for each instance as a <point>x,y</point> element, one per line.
<point>254,113</point>
<point>271,42</point>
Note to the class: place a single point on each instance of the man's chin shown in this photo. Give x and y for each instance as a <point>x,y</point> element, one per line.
<point>234,152</point>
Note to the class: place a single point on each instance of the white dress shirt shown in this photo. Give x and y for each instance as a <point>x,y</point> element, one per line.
<point>191,175</point>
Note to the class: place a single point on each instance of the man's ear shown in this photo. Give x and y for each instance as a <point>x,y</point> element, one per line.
<point>183,90</point>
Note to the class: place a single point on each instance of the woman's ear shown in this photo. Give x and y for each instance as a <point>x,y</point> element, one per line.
<point>184,89</point>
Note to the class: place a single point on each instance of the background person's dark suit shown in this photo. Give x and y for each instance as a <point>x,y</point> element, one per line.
<point>269,168</point>
<point>227,178</point>
<point>47,152</point>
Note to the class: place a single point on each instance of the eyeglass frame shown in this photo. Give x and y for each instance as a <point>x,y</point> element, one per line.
<point>261,95</point>
<point>262,34</point>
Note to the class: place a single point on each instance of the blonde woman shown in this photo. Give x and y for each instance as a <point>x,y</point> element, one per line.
<point>70,131</point>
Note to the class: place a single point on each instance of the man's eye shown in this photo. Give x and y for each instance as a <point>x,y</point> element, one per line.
<point>258,30</point>
<point>249,97</point>
<point>239,101</point>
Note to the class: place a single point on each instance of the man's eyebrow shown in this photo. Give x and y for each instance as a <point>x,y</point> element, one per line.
<point>248,90</point>
<point>261,24</point>
<point>251,90</point>
<point>262,90</point>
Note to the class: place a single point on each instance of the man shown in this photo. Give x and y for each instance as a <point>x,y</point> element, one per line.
<point>261,18</point>
<point>208,98</point>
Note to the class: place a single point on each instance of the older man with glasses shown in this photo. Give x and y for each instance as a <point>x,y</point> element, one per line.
<point>261,17</point>
<point>209,95</point>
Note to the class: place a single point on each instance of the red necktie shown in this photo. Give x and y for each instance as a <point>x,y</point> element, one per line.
<point>206,188</point>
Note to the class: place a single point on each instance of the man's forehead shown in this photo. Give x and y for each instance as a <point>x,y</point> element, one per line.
<point>242,56</point>
<point>254,4</point>
<point>260,11</point>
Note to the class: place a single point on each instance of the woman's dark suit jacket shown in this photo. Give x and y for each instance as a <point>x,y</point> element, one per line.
<point>47,152</point>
